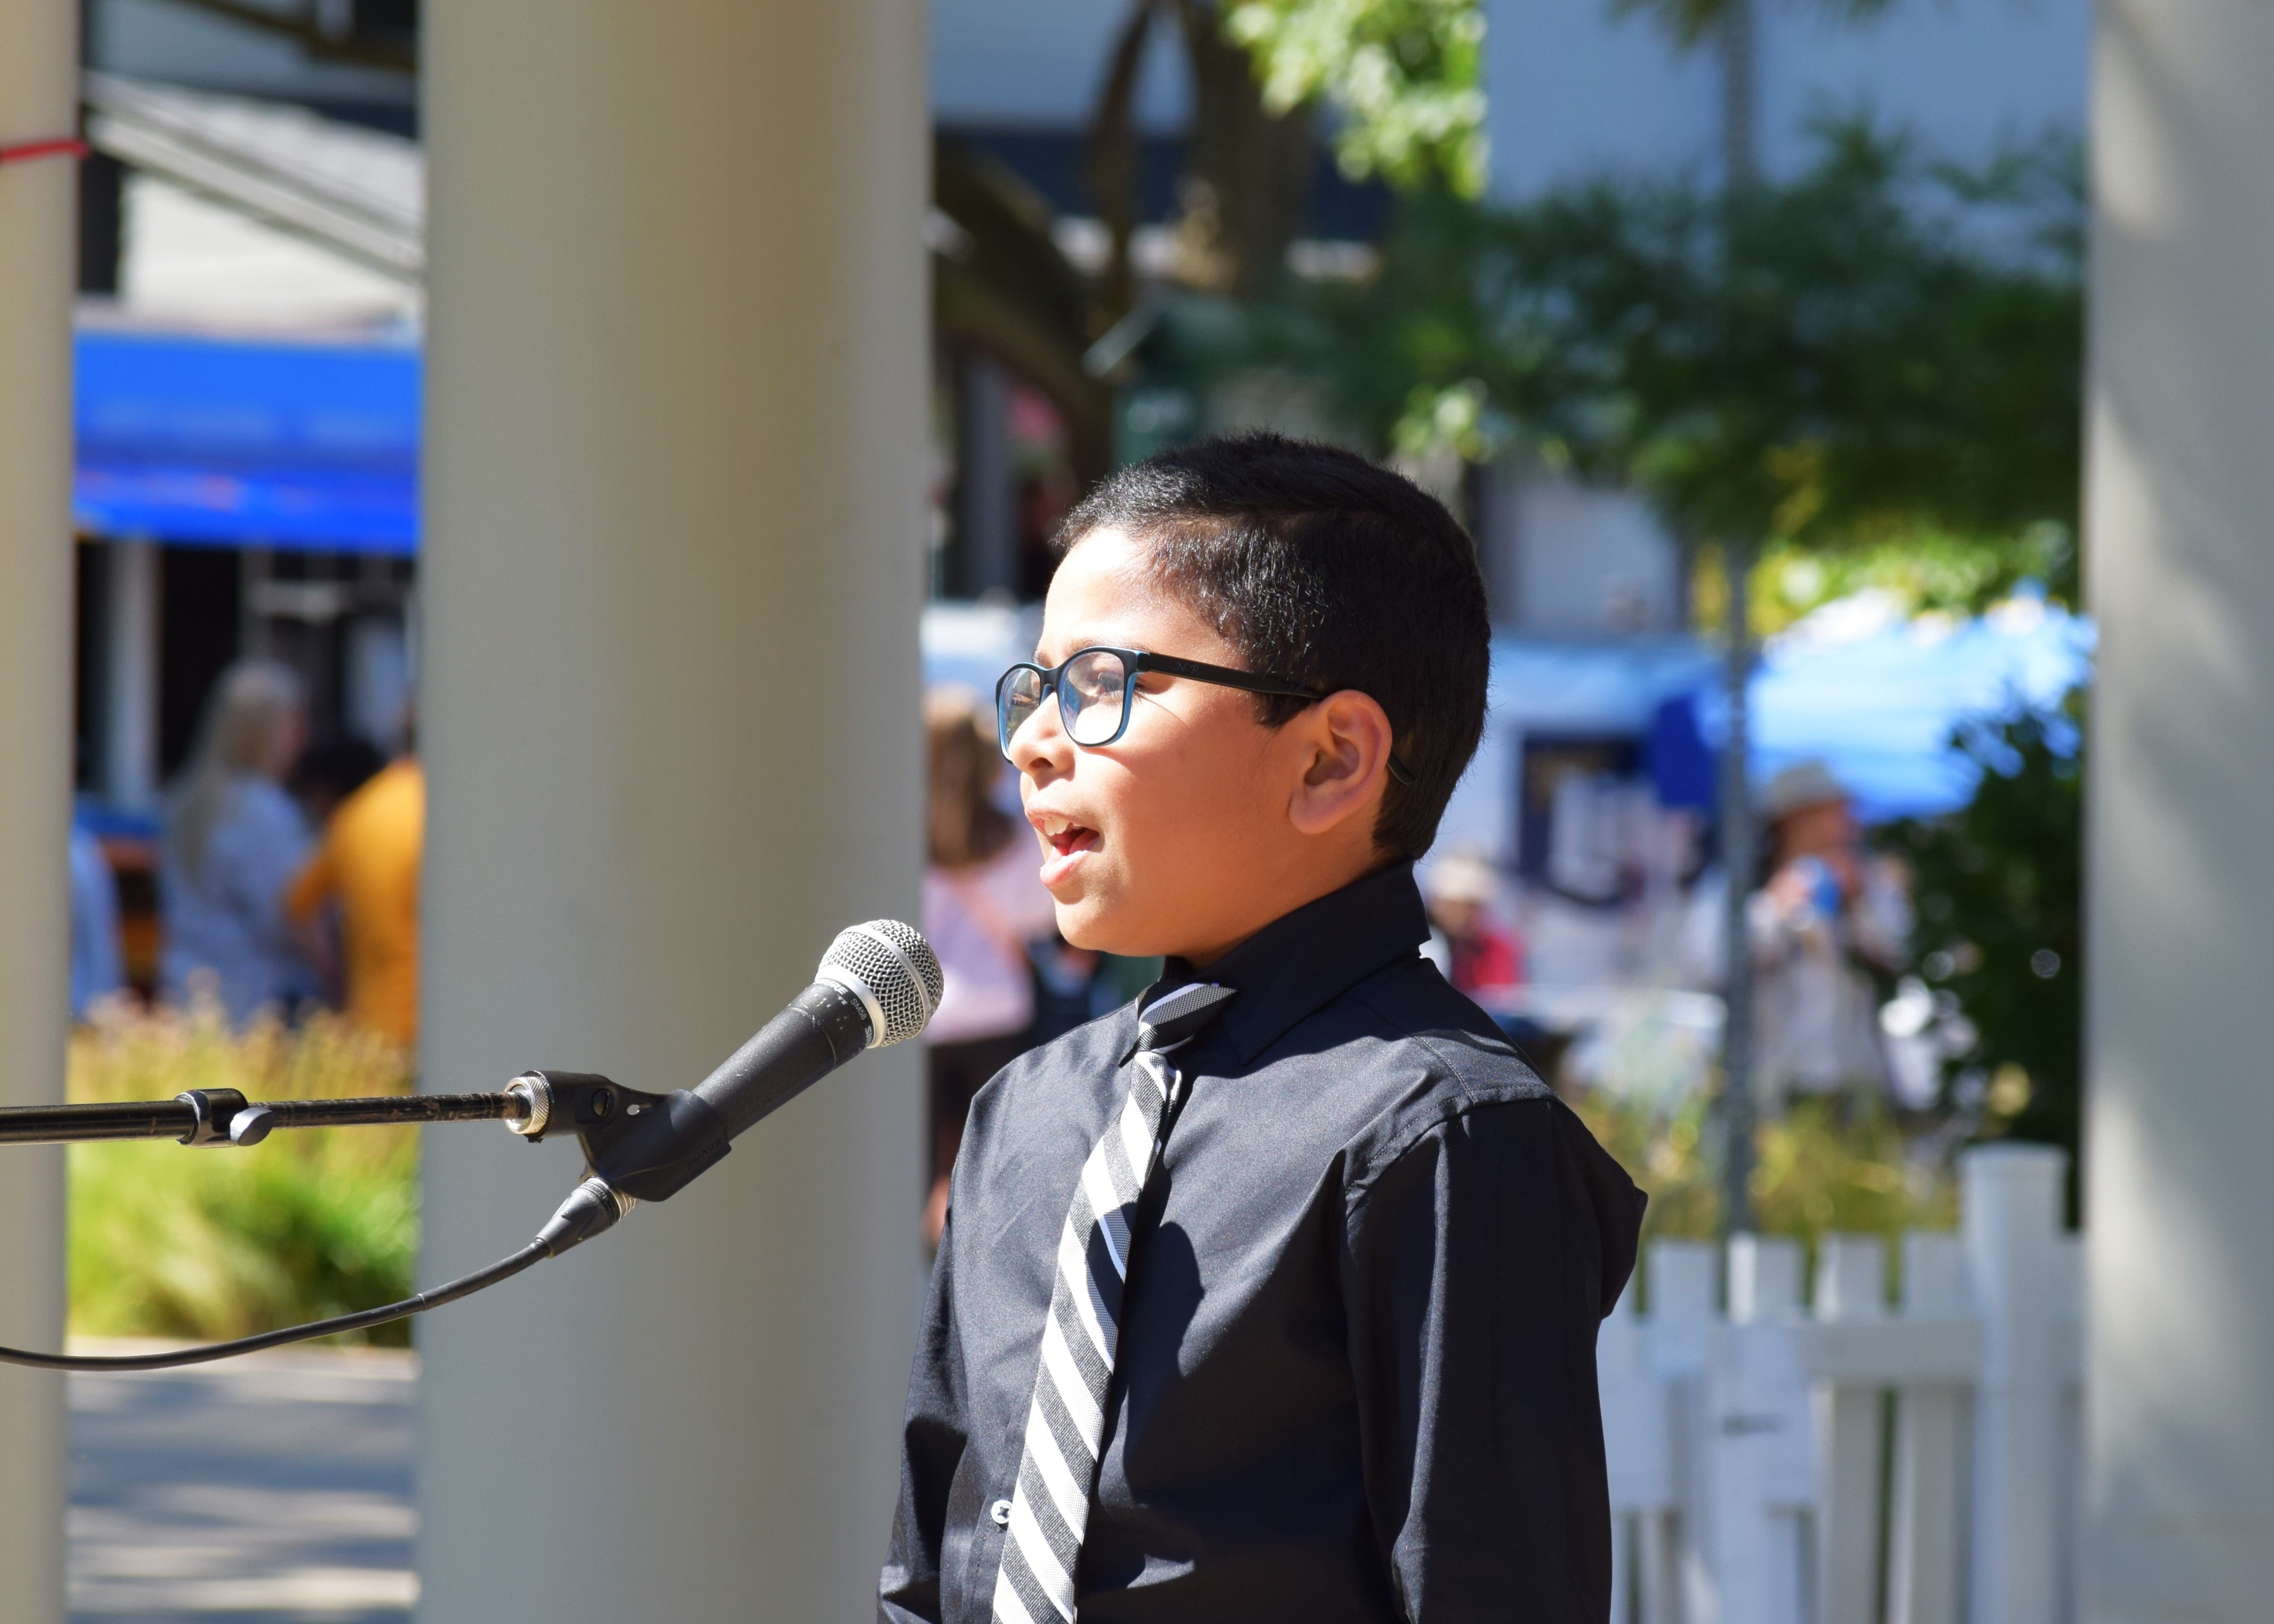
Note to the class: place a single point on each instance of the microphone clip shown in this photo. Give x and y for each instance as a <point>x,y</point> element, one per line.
<point>645,1145</point>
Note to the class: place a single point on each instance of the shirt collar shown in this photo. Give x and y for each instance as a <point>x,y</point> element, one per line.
<point>1304,959</point>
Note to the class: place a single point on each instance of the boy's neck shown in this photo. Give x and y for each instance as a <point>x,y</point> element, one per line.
<point>1299,897</point>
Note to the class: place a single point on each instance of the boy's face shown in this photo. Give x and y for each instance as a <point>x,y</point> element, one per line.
<point>1199,825</point>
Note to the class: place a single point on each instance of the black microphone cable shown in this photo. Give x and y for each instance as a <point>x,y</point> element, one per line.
<point>505,1268</point>
<point>591,1207</point>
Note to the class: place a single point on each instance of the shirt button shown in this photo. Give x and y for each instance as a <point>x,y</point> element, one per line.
<point>1000,1513</point>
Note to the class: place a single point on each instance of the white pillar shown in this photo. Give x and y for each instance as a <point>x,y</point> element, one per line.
<point>2180,565</point>
<point>672,572</point>
<point>130,676</point>
<point>38,79</point>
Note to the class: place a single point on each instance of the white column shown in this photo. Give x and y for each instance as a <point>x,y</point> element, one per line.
<point>672,571</point>
<point>130,676</point>
<point>2180,566</point>
<point>38,77</point>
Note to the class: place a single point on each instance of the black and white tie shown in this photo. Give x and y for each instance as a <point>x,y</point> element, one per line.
<point>1065,1424</point>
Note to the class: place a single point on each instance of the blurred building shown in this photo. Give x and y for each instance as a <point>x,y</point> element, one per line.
<point>1576,93</point>
<point>252,267</point>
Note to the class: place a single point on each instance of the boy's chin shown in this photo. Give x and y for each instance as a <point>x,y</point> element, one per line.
<point>1083,924</point>
<point>1095,924</point>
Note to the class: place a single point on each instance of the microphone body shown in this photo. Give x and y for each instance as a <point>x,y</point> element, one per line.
<point>825,1026</point>
<point>880,984</point>
<point>689,1131</point>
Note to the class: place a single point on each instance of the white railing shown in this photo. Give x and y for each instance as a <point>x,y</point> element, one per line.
<point>1854,1460</point>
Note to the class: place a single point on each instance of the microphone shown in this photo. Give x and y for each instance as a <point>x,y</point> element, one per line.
<point>877,985</point>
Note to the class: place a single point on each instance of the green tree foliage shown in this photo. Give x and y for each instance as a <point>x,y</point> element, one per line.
<point>1400,82</point>
<point>1923,571</point>
<point>1405,76</point>
<point>1999,893</point>
<point>1878,344</point>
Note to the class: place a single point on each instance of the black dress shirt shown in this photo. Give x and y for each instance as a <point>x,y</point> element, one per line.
<point>1356,1375</point>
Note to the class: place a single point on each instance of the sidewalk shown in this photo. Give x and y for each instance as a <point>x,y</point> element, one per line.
<point>268,1490</point>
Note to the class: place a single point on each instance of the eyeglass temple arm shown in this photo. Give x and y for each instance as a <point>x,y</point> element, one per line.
<point>1225,676</point>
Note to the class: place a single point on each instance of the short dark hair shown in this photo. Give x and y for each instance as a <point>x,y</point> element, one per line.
<point>1319,567</point>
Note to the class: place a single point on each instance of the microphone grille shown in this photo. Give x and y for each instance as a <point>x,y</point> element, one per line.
<point>897,966</point>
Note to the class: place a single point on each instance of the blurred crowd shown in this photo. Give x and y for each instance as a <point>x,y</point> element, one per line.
<point>1827,927</point>
<point>286,869</point>
<point>287,879</point>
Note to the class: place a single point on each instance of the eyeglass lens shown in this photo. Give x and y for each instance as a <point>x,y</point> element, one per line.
<point>1093,692</point>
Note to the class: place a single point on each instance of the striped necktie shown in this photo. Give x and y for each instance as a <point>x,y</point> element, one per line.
<point>1065,1424</point>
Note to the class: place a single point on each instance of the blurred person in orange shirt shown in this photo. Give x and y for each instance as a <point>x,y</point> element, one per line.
<point>368,861</point>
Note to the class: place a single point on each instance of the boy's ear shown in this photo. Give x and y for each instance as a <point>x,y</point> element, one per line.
<point>1345,741</point>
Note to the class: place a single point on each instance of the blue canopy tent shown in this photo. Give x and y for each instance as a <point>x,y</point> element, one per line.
<point>1877,704</point>
<point>240,442</point>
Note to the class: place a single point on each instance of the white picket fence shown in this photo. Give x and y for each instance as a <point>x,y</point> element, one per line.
<point>1854,1460</point>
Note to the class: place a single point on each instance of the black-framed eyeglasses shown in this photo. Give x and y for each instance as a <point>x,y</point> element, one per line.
<point>1094,687</point>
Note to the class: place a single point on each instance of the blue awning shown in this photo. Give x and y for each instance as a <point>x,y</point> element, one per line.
<point>237,442</point>
<point>1879,701</point>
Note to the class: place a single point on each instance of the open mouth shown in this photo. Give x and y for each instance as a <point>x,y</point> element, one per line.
<point>1068,841</point>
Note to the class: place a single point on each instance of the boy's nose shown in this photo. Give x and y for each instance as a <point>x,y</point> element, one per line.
<point>1040,740</point>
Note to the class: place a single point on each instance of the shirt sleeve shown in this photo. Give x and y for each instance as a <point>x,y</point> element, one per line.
<point>1478,1266</point>
<point>932,1440</point>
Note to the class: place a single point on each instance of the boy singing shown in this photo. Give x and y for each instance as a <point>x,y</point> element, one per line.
<point>1273,1295</point>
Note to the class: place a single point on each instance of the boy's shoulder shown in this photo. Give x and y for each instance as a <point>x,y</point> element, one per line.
<point>1427,1057</point>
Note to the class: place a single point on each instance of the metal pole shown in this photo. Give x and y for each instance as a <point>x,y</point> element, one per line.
<point>1740,160</point>
<point>1739,860</point>
<point>176,1118</point>
<point>986,492</point>
<point>1740,94</point>
<point>130,683</point>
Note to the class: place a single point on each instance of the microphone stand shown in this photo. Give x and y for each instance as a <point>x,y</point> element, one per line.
<point>602,1114</point>
<point>535,1104</point>
<point>224,1117</point>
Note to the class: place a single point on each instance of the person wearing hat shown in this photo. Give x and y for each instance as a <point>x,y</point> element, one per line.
<point>1830,919</point>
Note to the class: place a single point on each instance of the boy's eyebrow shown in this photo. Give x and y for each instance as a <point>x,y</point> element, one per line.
<point>1046,663</point>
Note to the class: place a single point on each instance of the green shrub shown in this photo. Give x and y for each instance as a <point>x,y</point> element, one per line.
<point>219,1243</point>
<point>2000,890</point>
<point>1815,1171</point>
